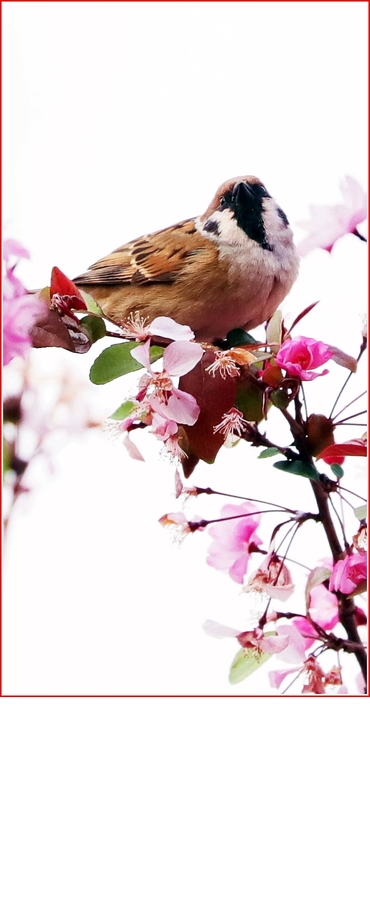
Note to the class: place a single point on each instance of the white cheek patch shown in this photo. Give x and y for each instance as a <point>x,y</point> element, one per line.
<point>275,227</point>
<point>222,227</point>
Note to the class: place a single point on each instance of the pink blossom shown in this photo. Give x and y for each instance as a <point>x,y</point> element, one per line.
<point>166,430</point>
<point>162,326</point>
<point>20,310</point>
<point>328,223</point>
<point>265,643</point>
<point>301,354</point>
<point>349,573</point>
<point>250,640</point>
<point>273,577</point>
<point>234,540</point>
<point>170,402</point>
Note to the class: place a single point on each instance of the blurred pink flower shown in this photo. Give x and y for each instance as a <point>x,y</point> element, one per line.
<point>302,354</point>
<point>20,310</point>
<point>234,540</point>
<point>349,573</point>
<point>328,223</point>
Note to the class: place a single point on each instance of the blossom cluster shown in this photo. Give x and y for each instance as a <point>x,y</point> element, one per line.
<point>196,398</point>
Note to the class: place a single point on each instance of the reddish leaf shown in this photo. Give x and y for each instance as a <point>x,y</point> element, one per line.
<point>320,433</point>
<point>215,396</point>
<point>272,375</point>
<point>66,290</point>
<point>302,314</point>
<point>356,447</point>
<point>54,330</point>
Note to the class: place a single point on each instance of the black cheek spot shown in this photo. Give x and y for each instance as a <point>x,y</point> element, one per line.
<point>282,216</point>
<point>211,225</point>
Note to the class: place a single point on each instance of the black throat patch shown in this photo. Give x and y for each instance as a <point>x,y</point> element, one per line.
<point>245,201</point>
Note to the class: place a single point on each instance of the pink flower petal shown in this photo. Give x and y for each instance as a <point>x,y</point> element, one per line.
<point>164,326</point>
<point>239,568</point>
<point>328,223</point>
<point>180,406</point>
<point>274,643</point>
<point>277,677</point>
<point>348,573</point>
<point>230,549</point>
<point>132,449</point>
<point>295,650</point>
<point>180,357</point>
<point>215,629</point>
<point>323,606</point>
<point>142,354</point>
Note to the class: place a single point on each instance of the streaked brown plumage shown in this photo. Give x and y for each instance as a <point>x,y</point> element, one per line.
<point>229,268</point>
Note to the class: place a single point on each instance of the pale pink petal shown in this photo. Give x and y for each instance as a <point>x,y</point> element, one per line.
<point>239,568</point>
<point>166,327</point>
<point>163,428</point>
<point>355,199</point>
<point>295,650</point>
<point>132,449</point>
<point>277,677</point>
<point>274,643</point>
<point>180,357</point>
<point>180,406</point>
<point>215,629</point>
<point>323,606</point>
<point>328,223</point>
<point>142,355</point>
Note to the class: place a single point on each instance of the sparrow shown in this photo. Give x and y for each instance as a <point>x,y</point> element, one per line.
<point>228,268</point>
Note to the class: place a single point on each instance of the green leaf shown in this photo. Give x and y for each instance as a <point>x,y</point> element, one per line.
<point>238,338</point>
<point>244,663</point>
<point>361,512</point>
<point>7,455</point>
<point>270,451</point>
<point>249,399</point>
<point>280,398</point>
<point>91,304</point>
<point>123,411</point>
<point>156,353</point>
<point>95,327</point>
<point>113,362</point>
<point>337,470</point>
<point>297,467</point>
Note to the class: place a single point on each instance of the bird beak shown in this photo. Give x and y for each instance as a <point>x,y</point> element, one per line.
<point>242,193</point>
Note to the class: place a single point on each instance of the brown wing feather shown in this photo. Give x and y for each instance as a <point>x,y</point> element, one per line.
<point>153,258</point>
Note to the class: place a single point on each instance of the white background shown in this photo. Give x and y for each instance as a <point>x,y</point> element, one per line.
<point>121,118</point>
